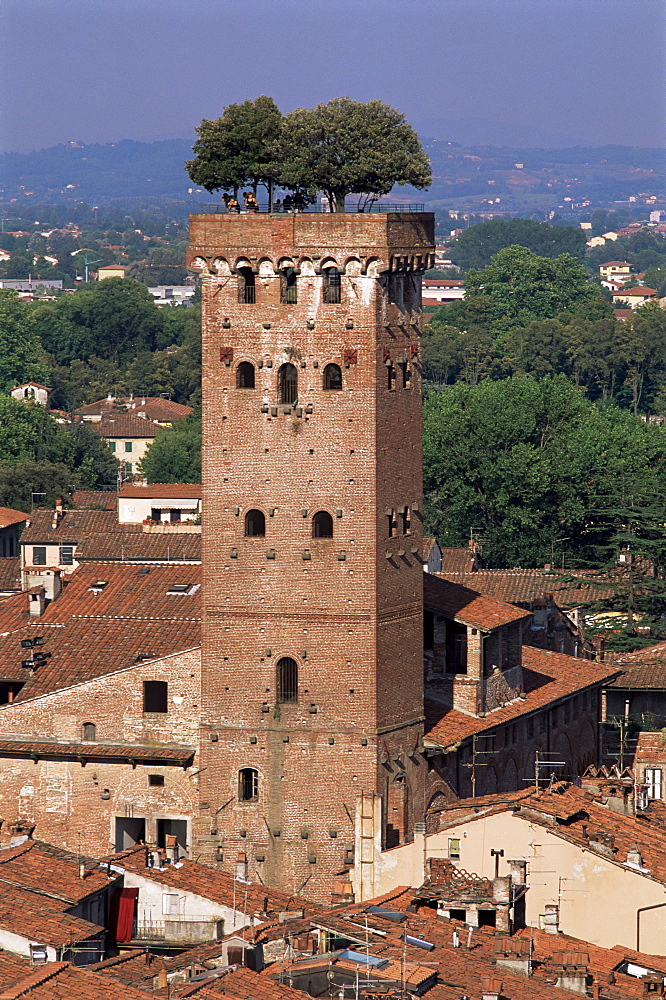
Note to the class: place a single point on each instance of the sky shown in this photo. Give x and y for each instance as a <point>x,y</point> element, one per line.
<point>520,72</point>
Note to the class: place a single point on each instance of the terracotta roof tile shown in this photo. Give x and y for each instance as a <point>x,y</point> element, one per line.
<point>208,882</point>
<point>61,981</point>
<point>154,407</point>
<point>35,865</point>
<point>10,573</point>
<point>125,425</point>
<point>9,516</point>
<point>547,677</point>
<point>95,499</point>
<point>39,918</point>
<point>44,749</point>
<point>186,491</point>
<point>138,546</point>
<point>523,585</point>
<point>91,632</point>
<point>72,527</point>
<point>468,606</point>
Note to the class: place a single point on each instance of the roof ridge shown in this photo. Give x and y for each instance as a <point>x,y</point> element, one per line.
<point>35,978</point>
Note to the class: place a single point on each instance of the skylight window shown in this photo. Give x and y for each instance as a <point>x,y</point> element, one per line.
<point>179,588</point>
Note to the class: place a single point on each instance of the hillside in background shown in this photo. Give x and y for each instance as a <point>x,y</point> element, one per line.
<point>475,178</point>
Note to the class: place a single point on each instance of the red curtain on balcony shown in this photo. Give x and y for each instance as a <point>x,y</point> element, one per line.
<point>123,906</point>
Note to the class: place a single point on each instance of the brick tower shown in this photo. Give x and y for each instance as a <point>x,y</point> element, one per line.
<point>312,538</point>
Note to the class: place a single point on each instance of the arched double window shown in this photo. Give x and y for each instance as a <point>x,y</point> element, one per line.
<point>245,375</point>
<point>332,378</point>
<point>287,680</point>
<point>322,525</point>
<point>287,384</point>
<point>255,524</point>
<point>248,784</point>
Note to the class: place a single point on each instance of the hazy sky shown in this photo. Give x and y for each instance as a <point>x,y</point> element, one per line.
<point>531,71</point>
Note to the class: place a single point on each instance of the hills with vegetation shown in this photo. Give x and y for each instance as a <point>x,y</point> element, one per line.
<point>465,178</point>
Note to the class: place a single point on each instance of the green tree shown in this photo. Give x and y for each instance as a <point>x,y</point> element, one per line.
<point>475,247</point>
<point>522,286</point>
<point>239,148</point>
<point>348,147</point>
<point>540,348</point>
<point>46,482</point>
<point>93,463</point>
<point>175,454</point>
<point>642,348</point>
<point>21,358</point>
<point>27,430</point>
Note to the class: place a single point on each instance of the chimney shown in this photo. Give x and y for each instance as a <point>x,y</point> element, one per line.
<point>571,969</point>
<point>491,989</point>
<point>240,868</point>
<point>162,979</point>
<point>653,986</point>
<point>551,923</point>
<point>513,954</point>
<point>37,602</point>
<point>171,843</point>
<point>419,855</point>
<point>634,857</point>
<point>82,869</point>
<point>518,871</point>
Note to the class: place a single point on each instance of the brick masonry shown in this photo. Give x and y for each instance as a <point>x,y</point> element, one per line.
<point>75,805</point>
<point>346,609</point>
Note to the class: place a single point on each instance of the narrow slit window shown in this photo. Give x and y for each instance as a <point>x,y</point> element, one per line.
<point>322,525</point>
<point>390,376</point>
<point>248,784</point>
<point>255,524</point>
<point>287,384</point>
<point>406,520</point>
<point>287,680</point>
<point>246,286</point>
<point>245,375</point>
<point>332,378</point>
<point>392,524</point>
<point>332,289</point>
<point>406,373</point>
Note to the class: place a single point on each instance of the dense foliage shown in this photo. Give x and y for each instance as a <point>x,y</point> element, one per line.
<point>340,148</point>
<point>475,247</point>
<point>175,454</point>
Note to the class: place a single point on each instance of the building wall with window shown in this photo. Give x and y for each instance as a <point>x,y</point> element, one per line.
<point>53,792</point>
<point>294,440</point>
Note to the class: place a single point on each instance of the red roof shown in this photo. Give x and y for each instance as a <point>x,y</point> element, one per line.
<point>150,407</point>
<point>468,606</point>
<point>9,516</point>
<point>637,290</point>
<point>95,499</point>
<point>185,491</point>
<point>547,677</point>
<point>125,425</point>
<point>61,981</point>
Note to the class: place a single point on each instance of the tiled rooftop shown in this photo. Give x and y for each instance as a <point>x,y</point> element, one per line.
<point>642,669</point>
<point>210,883</point>
<point>186,491</point>
<point>547,677</point>
<point>95,499</point>
<point>578,815</point>
<point>35,865</point>
<point>9,516</point>
<point>468,606</point>
<point>41,918</point>
<point>72,527</point>
<point>93,631</point>
<point>136,546</point>
<point>154,407</point>
<point>10,573</point>
<point>125,425</point>
<point>61,981</point>
<point>45,750</point>
<point>520,586</point>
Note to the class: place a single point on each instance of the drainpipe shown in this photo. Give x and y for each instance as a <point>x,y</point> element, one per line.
<point>642,909</point>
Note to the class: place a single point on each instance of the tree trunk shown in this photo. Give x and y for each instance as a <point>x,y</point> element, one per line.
<point>339,201</point>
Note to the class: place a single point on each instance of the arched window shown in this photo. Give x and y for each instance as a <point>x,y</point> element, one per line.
<point>89,732</point>
<point>322,525</point>
<point>255,524</point>
<point>287,679</point>
<point>245,375</point>
<point>331,285</point>
<point>248,784</point>
<point>246,286</point>
<point>287,384</point>
<point>288,286</point>
<point>332,377</point>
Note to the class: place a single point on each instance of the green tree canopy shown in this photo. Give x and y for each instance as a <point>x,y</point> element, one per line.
<point>239,148</point>
<point>348,147</point>
<point>522,286</point>
<point>20,353</point>
<point>175,454</point>
<point>476,245</point>
<point>525,461</point>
